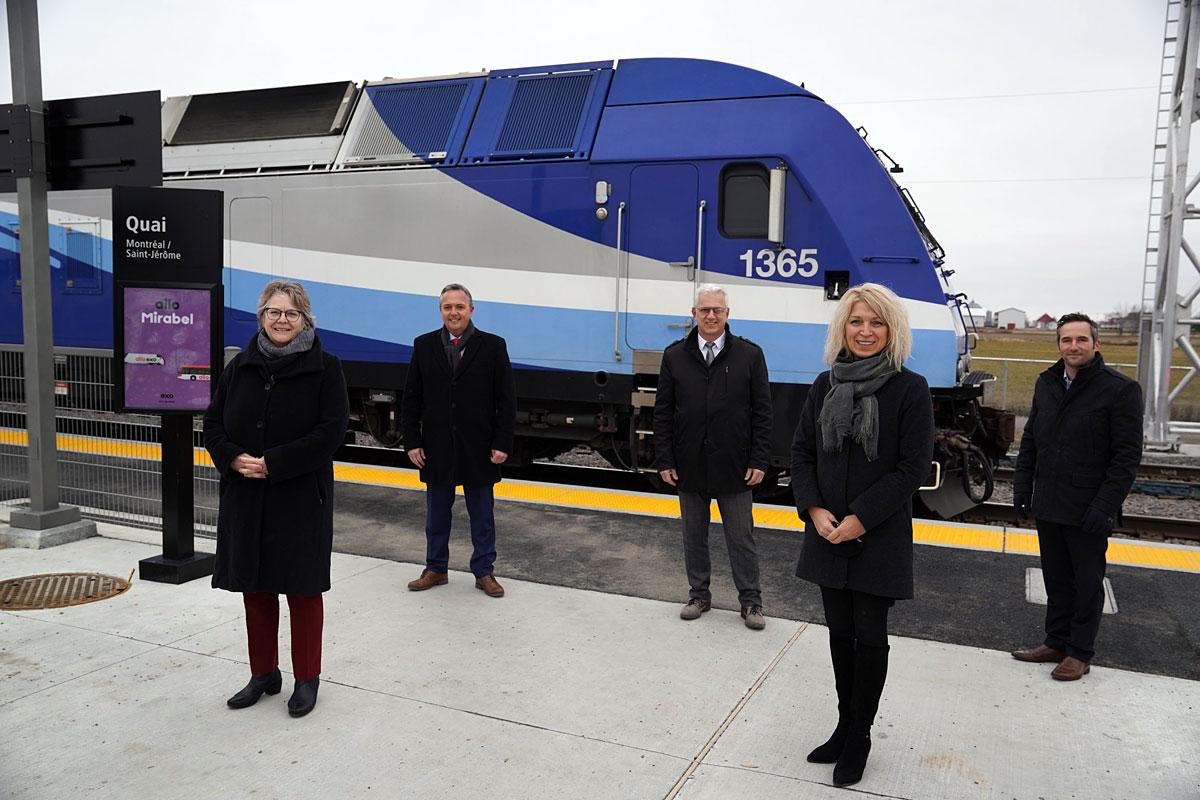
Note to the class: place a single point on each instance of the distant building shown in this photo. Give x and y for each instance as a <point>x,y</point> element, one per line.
<point>981,316</point>
<point>1011,319</point>
<point>1045,321</point>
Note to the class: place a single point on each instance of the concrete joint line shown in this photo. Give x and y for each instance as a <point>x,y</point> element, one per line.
<point>737,709</point>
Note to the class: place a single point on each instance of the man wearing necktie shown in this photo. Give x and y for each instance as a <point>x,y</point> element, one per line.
<point>1079,456</point>
<point>459,420</point>
<point>712,440</point>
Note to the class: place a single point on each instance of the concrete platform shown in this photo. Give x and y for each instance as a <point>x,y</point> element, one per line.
<point>550,692</point>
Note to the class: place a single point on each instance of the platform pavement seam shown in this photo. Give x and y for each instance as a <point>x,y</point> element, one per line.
<point>153,647</point>
<point>698,759</point>
<point>495,718</point>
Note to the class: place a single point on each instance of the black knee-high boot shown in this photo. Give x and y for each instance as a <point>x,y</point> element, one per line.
<point>841,653</point>
<point>870,673</point>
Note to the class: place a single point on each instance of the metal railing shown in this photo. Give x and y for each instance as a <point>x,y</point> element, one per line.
<point>1001,395</point>
<point>109,464</point>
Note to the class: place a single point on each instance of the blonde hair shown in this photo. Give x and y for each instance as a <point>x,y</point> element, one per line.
<point>295,293</point>
<point>890,308</point>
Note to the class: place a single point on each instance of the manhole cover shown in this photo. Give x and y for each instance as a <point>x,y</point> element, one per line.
<point>58,590</point>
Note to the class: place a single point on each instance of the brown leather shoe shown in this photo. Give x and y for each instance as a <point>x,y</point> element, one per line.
<point>428,580</point>
<point>1071,669</point>
<point>1039,655</point>
<point>489,585</point>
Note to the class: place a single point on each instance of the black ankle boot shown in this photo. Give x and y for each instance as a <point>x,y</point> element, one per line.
<point>304,697</point>
<point>269,683</point>
<point>829,752</point>
<point>853,760</point>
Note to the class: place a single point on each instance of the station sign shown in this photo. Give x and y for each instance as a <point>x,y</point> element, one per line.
<point>167,301</point>
<point>90,142</point>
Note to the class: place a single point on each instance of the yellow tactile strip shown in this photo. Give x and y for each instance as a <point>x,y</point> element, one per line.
<point>945,534</point>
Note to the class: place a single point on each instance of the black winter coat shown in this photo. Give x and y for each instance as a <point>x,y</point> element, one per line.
<point>878,492</point>
<point>276,534</point>
<point>460,416</point>
<point>1082,445</point>
<point>712,423</point>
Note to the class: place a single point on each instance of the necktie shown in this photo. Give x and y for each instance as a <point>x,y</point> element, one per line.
<point>457,351</point>
<point>709,351</point>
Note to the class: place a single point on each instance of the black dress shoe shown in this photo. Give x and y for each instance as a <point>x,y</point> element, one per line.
<point>304,697</point>
<point>270,683</point>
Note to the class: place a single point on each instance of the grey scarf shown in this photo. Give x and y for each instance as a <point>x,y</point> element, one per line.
<point>850,406</point>
<point>301,344</point>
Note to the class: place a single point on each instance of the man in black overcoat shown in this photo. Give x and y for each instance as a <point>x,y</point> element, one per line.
<point>712,440</point>
<point>1079,456</point>
<point>459,420</point>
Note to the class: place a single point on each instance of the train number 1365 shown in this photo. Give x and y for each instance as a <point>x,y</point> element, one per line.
<point>785,263</point>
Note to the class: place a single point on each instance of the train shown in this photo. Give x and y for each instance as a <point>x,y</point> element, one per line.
<point>582,204</point>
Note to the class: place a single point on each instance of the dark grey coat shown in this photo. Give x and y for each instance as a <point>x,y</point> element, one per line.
<point>459,416</point>
<point>1082,445</point>
<point>713,422</point>
<point>276,534</point>
<point>878,492</point>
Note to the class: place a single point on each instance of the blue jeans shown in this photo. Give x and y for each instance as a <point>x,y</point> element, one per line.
<point>439,500</point>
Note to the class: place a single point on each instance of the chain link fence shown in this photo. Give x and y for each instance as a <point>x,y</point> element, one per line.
<point>109,464</point>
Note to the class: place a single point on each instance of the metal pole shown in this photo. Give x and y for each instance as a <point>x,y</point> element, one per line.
<point>177,488</point>
<point>44,523</point>
<point>35,261</point>
<point>1167,297</point>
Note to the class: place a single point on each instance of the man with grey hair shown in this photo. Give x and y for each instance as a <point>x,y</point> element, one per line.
<point>712,440</point>
<point>459,420</point>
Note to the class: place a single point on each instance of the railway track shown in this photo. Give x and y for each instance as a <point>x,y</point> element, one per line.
<point>1152,528</point>
<point>1161,480</point>
<point>1139,526</point>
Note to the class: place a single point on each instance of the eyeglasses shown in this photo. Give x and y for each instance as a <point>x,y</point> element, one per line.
<point>273,314</point>
<point>714,310</point>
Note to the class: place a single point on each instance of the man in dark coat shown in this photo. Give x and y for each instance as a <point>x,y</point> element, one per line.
<point>1079,456</point>
<point>712,439</point>
<point>459,422</point>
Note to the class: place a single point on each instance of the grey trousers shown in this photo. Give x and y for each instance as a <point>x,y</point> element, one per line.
<point>737,516</point>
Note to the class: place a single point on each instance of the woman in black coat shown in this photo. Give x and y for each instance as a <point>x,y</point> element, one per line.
<point>863,447</point>
<point>277,416</point>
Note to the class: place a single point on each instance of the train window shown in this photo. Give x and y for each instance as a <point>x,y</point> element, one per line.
<point>745,190</point>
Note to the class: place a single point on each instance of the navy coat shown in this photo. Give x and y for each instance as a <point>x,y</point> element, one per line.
<point>1082,445</point>
<point>713,422</point>
<point>878,492</point>
<point>459,416</point>
<point>276,534</point>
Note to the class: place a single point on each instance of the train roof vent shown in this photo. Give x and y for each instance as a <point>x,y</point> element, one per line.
<point>410,123</point>
<point>290,112</point>
<point>539,113</point>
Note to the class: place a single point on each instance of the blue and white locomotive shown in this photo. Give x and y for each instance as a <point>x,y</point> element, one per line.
<point>582,204</point>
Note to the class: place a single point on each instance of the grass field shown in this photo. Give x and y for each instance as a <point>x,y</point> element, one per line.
<point>1039,344</point>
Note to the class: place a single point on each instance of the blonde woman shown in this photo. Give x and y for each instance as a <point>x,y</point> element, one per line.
<point>863,447</point>
<point>277,416</point>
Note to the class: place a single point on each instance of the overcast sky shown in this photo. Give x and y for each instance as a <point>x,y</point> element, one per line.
<point>1025,128</point>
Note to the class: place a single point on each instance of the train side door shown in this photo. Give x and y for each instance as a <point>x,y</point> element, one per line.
<point>663,213</point>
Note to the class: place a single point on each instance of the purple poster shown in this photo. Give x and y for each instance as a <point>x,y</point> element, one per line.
<point>167,341</point>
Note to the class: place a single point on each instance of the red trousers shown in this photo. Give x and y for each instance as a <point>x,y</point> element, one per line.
<point>262,632</point>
